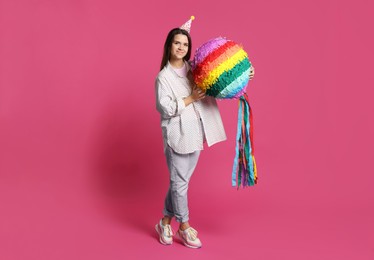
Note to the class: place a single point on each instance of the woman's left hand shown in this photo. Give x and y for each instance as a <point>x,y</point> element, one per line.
<point>251,73</point>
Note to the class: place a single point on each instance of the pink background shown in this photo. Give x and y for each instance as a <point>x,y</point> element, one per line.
<point>82,172</point>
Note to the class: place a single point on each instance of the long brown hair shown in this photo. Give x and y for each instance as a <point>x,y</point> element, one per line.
<point>169,41</point>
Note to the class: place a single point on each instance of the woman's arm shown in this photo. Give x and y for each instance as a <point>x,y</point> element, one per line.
<point>166,103</point>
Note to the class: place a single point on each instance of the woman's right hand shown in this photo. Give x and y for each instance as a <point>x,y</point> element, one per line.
<point>196,95</point>
<point>251,73</point>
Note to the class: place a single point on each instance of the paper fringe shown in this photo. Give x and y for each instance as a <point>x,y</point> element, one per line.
<point>236,79</point>
<point>244,171</point>
<point>212,76</point>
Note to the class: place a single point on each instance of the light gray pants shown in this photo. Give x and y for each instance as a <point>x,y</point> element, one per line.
<point>181,167</point>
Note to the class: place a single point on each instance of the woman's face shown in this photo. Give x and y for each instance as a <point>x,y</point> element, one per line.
<point>179,47</point>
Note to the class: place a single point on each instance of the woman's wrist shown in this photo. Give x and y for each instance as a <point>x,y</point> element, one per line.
<point>188,100</point>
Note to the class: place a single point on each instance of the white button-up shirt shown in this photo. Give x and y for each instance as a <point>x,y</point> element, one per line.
<point>183,127</point>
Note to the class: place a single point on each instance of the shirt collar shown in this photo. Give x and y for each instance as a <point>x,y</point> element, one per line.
<point>169,67</point>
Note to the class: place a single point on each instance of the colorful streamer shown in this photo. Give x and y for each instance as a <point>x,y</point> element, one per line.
<point>244,171</point>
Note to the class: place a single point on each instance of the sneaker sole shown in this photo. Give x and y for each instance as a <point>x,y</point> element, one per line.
<point>161,240</point>
<point>186,244</point>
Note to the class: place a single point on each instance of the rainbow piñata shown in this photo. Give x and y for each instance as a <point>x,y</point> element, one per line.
<point>221,68</point>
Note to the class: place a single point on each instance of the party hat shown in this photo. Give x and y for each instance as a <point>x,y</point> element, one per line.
<point>187,25</point>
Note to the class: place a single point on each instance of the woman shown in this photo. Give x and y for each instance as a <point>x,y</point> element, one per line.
<point>188,118</point>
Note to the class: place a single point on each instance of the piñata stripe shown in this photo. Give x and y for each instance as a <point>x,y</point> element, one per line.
<point>225,66</point>
<point>227,77</point>
<point>234,89</point>
<point>228,64</point>
<point>213,56</point>
<point>203,51</point>
<point>212,63</point>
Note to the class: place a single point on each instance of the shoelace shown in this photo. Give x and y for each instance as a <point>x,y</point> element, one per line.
<point>192,233</point>
<point>168,231</point>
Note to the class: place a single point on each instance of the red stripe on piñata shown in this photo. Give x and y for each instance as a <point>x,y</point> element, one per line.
<point>214,55</point>
<point>198,77</point>
<point>210,66</point>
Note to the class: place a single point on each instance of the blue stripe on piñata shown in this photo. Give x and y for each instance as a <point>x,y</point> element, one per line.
<point>235,87</point>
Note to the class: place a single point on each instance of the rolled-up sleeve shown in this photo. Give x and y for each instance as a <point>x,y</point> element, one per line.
<point>166,103</point>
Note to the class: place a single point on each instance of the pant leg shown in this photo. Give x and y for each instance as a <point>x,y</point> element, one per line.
<point>181,168</point>
<point>168,205</point>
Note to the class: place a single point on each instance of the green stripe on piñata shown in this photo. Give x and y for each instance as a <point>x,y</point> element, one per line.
<point>236,88</point>
<point>228,77</point>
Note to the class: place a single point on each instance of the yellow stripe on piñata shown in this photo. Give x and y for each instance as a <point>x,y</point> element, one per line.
<point>210,66</point>
<point>225,66</point>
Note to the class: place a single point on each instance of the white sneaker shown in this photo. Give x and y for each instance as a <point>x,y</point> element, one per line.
<point>165,233</point>
<point>189,237</point>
